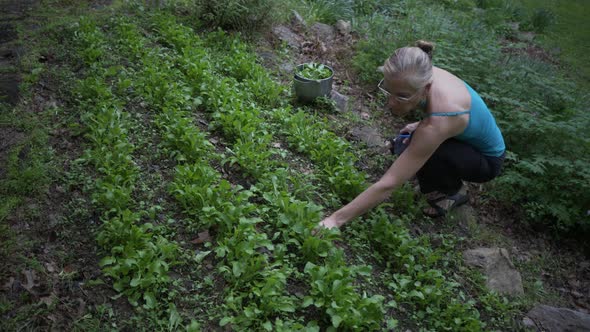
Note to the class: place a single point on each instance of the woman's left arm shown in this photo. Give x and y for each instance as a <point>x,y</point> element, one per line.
<point>424,143</point>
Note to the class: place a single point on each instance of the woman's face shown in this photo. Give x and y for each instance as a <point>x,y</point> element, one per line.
<point>401,96</point>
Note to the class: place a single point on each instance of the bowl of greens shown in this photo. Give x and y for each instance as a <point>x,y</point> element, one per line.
<point>312,80</point>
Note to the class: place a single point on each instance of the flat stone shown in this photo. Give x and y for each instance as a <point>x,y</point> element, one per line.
<point>368,135</point>
<point>526,36</point>
<point>501,274</point>
<point>340,99</point>
<point>325,33</point>
<point>285,35</point>
<point>514,26</point>
<point>552,319</point>
<point>287,67</point>
<point>344,27</point>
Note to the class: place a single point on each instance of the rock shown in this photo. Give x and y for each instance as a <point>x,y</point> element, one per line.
<point>514,26</point>
<point>368,135</point>
<point>552,319</point>
<point>325,33</point>
<point>556,51</point>
<point>267,57</point>
<point>344,27</point>
<point>464,214</point>
<point>526,36</point>
<point>287,67</point>
<point>341,100</point>
<point>501,274</point>
<point>528,323</point>
<point>297,20</point>
<point>285,35</point>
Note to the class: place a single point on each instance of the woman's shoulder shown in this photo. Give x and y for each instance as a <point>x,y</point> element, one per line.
<point>450,94</point>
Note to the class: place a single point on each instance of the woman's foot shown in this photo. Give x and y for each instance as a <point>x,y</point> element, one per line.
<point>441,204</point>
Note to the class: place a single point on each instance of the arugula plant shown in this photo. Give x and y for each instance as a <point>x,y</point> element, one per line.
<point>314,71</point>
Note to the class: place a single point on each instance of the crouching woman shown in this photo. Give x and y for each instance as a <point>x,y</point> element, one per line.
<point>457,140</point>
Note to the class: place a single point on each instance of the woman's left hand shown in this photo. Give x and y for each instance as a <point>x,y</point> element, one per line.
<point>330,223</point>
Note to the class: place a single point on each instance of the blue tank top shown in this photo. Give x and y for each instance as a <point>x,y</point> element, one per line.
<point>482,132</point>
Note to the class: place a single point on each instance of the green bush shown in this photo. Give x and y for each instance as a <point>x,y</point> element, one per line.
<point>540,20</point>
<point>235,14</point>
<point>329,11</point>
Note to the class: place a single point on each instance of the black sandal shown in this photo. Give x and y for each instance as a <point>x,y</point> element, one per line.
<point>458,200</point>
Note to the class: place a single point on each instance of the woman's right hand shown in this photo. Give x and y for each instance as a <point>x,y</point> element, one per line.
<point>408,129</point>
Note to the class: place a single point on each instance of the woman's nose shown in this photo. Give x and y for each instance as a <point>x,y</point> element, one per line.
<point>392,102</point>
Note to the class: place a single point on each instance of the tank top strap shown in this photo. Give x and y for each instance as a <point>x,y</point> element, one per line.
<point>449,113</point>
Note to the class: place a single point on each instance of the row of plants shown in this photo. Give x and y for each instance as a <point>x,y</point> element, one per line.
<point>138,257</point>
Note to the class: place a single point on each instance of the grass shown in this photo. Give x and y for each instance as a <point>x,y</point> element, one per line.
<point>569,33</point>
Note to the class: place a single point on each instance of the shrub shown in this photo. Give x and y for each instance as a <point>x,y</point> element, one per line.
<point>329,11</point>
<point>540,20</point>
<point>235,14</point>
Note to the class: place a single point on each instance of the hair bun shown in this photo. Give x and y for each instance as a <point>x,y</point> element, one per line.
<point>425,46</point>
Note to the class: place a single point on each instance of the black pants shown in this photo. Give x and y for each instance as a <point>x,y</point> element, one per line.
<point>452,162</point>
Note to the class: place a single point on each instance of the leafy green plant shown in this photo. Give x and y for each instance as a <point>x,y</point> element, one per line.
<point>90,40</point>
<point>417,280</point>
<point>332,290</point>
<point>314,71</point>
<point>139,261</point>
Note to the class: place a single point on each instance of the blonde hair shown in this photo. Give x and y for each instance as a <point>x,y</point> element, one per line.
<point>412,63</point>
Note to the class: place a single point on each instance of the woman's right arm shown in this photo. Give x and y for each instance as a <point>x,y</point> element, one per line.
<point>404,167</point>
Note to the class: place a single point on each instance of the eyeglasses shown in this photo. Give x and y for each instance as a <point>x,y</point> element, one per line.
<point>398,98</point>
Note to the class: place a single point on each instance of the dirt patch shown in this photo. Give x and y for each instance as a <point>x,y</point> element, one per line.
<point>7,32</point>
<point>9,88</point>
<point>16,9</point>
<point>9,137</point>
<point>559,266</point>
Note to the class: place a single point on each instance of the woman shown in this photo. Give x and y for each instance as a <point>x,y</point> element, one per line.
<point>457,140</point>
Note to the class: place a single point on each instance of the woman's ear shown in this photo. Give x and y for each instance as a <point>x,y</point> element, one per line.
<point>428,86</point>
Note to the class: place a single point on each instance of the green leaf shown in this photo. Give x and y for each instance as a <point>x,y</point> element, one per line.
<point>201,255</point>
<point>287,307</point>
<point>107,261</point>
<point>267,326</point>
<point>225,320</point>
<point>336,320</point>
<point>135,281</point>
<point>150,300</point>
<point>307,301</point>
